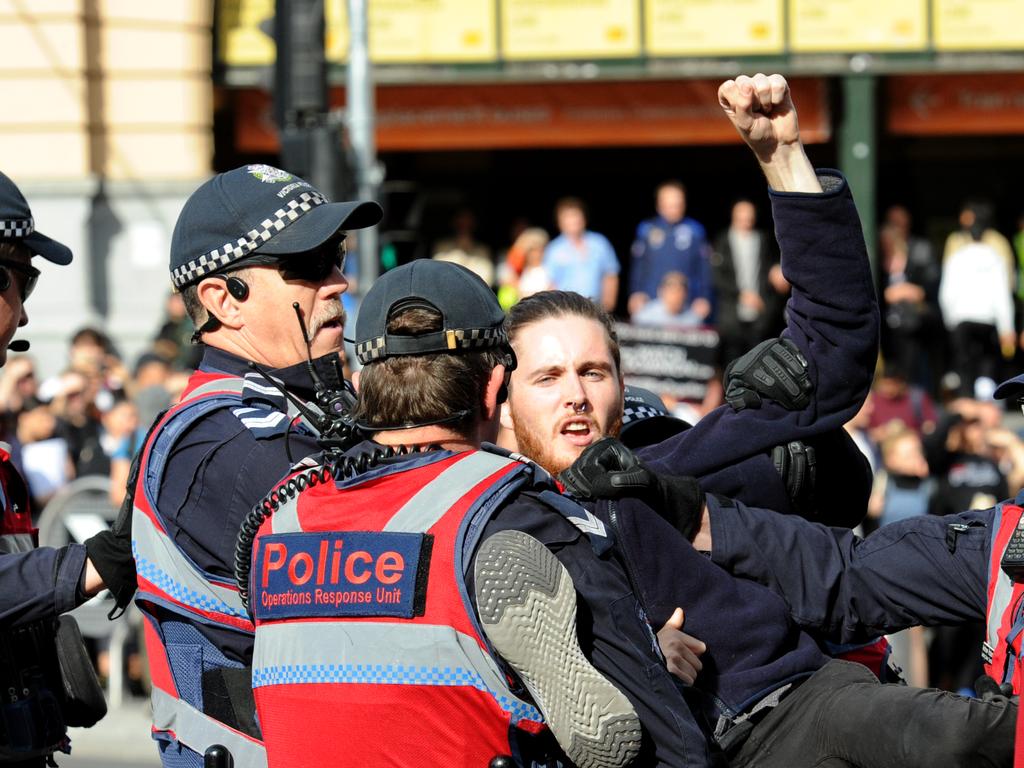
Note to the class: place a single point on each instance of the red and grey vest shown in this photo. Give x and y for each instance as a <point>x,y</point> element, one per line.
<point>174,594</point>
<point>1004,623</point>
<point>28,666</point>
<point>368,651</point>
<point>17,533</point>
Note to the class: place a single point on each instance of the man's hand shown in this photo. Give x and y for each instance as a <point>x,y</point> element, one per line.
<point>894,294</point>
<point>701,308</point>
<point>110,556</point>
<point>636,302</point>
<point>753,300</point>
<point>609,470</point>
<point>702,542</point>
<point>775,369</point>
<point>681,651</point>
<point>762,110</point>
<point>778,280</point>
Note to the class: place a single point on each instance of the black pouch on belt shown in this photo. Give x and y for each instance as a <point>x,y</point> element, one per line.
<point>84,705</point>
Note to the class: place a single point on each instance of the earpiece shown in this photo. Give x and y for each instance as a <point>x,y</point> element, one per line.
<point>237,287</point>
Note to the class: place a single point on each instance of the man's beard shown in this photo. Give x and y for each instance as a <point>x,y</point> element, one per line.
<point>533,447</point>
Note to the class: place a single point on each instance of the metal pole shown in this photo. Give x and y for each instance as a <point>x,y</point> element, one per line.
<point>858,152</point>
<point>360,115</point>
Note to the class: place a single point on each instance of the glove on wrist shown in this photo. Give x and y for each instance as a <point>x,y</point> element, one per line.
<point>609,470</point>
<point>112,557</point>
<point>111,554</point>
<point>797,464</point>
<point>774,369</point>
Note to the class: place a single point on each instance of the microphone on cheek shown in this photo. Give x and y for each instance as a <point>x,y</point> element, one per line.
<point>20,345</point>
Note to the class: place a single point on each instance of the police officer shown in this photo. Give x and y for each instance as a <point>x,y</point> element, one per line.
<point>365,574</point>
<point>257,255</point>
<point>37,584</point>
<point>928,571</point>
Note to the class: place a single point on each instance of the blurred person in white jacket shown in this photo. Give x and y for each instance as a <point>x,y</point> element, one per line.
<point>977,306</point>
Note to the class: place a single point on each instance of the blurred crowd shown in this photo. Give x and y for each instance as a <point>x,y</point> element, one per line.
<point>91,418</point>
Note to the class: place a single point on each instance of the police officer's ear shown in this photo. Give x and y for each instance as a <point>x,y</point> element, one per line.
<point>495,383</point>
<point>355,381</point>
<point>214,295</point>
<point>507,422</point>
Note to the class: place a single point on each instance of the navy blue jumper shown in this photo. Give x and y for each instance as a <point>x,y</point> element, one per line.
<point>219,469</point>
<point>832,316</point>
<point>40,584</point>
<point>916,571</point>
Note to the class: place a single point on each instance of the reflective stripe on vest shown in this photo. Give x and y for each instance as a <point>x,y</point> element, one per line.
<point>166,575</point>
<point>11,543</point>
<point>428,505</point>
<point>361,665</point>
<point>17,534</point>
<point>1003,620</point>
<point>167,578</point>
<point>198,731</point>
<point>350,652</point>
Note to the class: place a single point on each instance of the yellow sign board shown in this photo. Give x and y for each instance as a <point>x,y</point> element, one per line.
<point>425,31</point>
<point>241,42</point>
<point>713,27</point>
<point>821,26</point>
<point>413,31</point>
<point>570,29</point>
<point>336,34</point>
<point>978,24</point>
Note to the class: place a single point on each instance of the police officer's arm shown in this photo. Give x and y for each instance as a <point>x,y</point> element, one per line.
<point>926,570</point>
<point>92,582</point>
<point>40,584</point>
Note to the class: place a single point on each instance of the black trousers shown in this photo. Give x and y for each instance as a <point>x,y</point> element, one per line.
<point>975,352</point>
<point>842,716</point>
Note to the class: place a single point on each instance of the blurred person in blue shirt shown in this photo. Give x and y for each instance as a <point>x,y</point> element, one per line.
<point>580,260</point>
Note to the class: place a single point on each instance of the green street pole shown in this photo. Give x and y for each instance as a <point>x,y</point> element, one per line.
<point>858,152</point>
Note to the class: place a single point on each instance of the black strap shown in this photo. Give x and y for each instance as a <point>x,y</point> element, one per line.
<point>228,697</point>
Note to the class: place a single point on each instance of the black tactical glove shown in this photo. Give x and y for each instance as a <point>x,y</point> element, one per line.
<point>774,369</point>
<point>609,470</point>
<point>111,551</point>
<point>797,464</point>
<point>988,689</point>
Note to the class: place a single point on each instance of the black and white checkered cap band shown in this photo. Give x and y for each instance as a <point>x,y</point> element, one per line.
<point>15,229</point>
<point>639,413</point>
<point>462,339</point>
<point>243,246</point>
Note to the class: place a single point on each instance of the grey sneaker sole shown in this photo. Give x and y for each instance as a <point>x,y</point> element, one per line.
<point>527,604</point>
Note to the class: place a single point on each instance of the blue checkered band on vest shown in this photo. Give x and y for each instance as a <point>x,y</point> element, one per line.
<point>243,246</point>
<point>639,413</point>
<point>14,229</point>
<point>462,339</point>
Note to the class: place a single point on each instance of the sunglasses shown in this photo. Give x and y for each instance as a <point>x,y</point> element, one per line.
<point>30,274</point>
<point>310,266</point>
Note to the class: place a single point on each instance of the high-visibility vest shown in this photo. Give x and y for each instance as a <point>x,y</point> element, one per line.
<point>1004,615</point>
<point>368,651</point>
<point>29,673</point>
<point>17,534</point>
<point>174,593</point>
